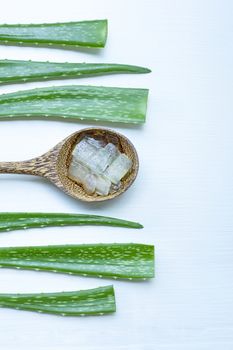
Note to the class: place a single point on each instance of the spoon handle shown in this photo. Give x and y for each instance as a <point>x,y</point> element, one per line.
<point>37,166</point>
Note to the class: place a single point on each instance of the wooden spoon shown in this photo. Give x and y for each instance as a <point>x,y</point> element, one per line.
<point>54,164</point>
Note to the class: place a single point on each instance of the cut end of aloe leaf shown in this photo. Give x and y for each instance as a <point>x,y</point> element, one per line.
<point>104,32</point>
<point>96,31</point>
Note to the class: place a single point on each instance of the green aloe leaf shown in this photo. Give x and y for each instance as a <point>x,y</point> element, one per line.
<point>98,301</point>
<point>119,260</point>
<point>105,104</point>
<point>15,71</point>
<point>64,35</point>
<point>19,221</point>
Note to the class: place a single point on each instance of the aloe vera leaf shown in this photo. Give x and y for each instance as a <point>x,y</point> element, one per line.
<point>105,104</point>
<point>118,260</point>
<point>98,301</point>
<point>15,71</point>
<point>19,221</point>
<point>64,35</point>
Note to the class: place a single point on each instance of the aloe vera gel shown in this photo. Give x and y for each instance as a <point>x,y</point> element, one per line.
<point>99,166</point>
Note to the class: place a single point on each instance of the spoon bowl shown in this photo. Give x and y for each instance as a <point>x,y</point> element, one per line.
<point>54,164</point>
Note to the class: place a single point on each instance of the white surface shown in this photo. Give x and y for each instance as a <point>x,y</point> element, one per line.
<point>183,194</point>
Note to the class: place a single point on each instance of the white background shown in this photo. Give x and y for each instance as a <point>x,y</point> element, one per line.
<point>183,194</point>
